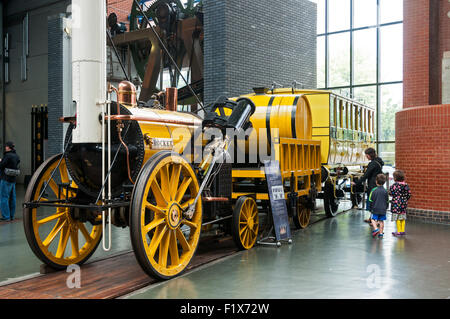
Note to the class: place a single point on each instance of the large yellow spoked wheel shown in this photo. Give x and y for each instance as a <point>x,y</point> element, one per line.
<point>245,223</point>
<point>164,238</point>
<point>303,216</point>
<point>54,236</point>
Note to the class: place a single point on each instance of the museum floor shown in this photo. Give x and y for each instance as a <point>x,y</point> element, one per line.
<point>333,258</point>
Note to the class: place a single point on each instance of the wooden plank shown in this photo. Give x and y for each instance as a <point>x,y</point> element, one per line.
<point>108,278</point>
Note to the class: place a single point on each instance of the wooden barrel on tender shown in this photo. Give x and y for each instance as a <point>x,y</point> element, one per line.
<point>279,114</point>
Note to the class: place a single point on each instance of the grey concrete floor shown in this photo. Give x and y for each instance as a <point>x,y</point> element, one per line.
<point>333,258</point>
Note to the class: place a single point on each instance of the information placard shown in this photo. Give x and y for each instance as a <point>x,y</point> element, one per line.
<point>277,200</point>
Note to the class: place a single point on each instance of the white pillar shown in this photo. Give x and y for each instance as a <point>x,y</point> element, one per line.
<point>88,67</point>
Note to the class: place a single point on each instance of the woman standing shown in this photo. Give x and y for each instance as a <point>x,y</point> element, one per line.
<point>374,168</point>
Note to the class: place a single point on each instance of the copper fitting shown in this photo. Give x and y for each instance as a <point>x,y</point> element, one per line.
<point>127,94</point>
<point>171,99</point>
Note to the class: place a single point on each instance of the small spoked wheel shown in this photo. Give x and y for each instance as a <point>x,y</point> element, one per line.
<point>164,232</point>
<point>245,223</point>
<point>303,216</point>
<point>54,235</point>
<point>330,202</point>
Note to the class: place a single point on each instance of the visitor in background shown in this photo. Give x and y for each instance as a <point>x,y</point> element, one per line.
<point>400,193</point>
<point>374,168</point>
<point>9,170</point>
<point>379,203</point>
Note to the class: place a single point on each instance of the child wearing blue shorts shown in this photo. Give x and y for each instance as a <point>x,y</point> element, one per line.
<point>379,202</point>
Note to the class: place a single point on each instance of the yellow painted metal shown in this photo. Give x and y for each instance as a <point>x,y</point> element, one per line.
<point>248,223</point>
<point>170,182</point>
<point>82,241</point>
<point>345,127</point>
<point>180,134</point>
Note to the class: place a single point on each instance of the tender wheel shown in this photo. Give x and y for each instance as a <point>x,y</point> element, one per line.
<point>330,203</point>
<point>303,216</point>
<point>76,241</point>
<point>163,238</point>
<point>245,223</point>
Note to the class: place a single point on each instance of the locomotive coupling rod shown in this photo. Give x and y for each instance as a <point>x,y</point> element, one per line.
<point>219,151</point>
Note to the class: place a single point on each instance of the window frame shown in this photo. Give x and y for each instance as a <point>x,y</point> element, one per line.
<point>375,120</point>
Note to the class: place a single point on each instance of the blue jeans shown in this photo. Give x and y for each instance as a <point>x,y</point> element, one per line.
<point>7,199</point>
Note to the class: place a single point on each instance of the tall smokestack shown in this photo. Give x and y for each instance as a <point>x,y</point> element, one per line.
<point>88,67</point>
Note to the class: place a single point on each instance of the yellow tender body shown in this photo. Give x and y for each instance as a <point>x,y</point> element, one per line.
<point>285,118</point>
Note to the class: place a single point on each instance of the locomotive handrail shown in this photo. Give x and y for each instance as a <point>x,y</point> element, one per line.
<point>93,207</point>
<point>140,118</point>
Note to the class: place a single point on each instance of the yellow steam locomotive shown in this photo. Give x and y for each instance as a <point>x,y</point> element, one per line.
<point>167,193</point>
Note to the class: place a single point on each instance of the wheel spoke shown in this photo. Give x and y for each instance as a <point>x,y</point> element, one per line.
<point>173,248</point>
<point>154,208</point>
<point>183,242</point>
<point>85,233</point>
<point>165,184</point>
<point>74,243</point>
<point>156,239</point>
<point>54,187</point>
<point>242,230</point>
<point>183,188</point>
<point>59,225</point>
<point>155,223</point>
<point>50,218</point>
<point>160,199</point>
<point>164,249</point>
<point>175,178</point>
<point>189,223</point>
<point>63,239</point>
<point>63,172</point>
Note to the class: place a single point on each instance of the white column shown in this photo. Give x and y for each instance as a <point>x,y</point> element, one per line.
<point>88,67</point>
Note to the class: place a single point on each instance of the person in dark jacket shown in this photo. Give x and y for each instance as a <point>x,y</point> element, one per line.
<point>9,165</point>
<point>374,168</point>
<point>379,200</point>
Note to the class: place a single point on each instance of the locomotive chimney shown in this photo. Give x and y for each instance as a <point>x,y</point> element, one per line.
<point>171,99</point>
<point>88,67</point>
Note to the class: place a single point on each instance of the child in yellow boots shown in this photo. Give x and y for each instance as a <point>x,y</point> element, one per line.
<point>400,193</point>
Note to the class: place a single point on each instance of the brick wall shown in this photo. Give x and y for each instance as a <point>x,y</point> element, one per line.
<point>122,8</point>
<point>253,43</point>
<point>423,152</point>
<point>416,20</point>
<point>423,126</point>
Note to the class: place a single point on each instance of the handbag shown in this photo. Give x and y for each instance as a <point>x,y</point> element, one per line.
<point>12,172</point>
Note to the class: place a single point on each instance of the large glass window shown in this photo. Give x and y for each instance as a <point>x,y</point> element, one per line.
<point>391,50</point>
<point>338,15</point>
<point>360,55</point>
<point>321,61</point>
<point>391,96</point>
<point>391,11</point>
<point>365,56</point>
<point>339,59</point>
<point>364,13</point>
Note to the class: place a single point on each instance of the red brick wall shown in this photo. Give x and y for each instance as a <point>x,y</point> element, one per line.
<point>444,37</point>
<point>423,130</point>
<point>122,8</point>
<point>416,52</point>
<point>423,152</point>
